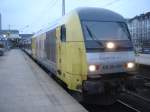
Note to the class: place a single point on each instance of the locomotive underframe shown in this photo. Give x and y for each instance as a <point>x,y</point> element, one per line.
<point>105,90</point>
<point>106,84</point>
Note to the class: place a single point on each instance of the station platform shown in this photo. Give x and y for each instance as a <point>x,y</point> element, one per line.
<point>143,59</point>
<point>25,87</point>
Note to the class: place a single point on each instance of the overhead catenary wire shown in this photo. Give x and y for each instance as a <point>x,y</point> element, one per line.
<point>107,4</point>
<point>111,3</point>
<point>50,15</point>
<point>103,5</point>
<point>50,5</point>
<point>53,3</point>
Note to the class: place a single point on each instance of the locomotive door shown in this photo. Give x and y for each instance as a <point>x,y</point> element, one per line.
<point>58,50</point>
<point>61,38</point>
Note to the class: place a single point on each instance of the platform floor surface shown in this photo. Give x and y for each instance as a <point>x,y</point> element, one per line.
<point>25,87</point>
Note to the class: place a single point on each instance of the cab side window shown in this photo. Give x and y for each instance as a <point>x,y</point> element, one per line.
<point>63,33</point>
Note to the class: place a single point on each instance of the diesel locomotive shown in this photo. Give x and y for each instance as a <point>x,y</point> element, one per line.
<point>89,50</point>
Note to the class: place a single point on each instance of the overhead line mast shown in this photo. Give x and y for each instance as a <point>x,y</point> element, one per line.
<point>63,7</point>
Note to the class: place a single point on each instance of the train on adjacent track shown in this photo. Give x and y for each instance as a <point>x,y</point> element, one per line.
<point>89,50</point>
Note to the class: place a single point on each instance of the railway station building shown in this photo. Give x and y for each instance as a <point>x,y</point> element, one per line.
<point>139,28</point>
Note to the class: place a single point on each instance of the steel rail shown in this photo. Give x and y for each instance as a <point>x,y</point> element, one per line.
<point>129,106</point>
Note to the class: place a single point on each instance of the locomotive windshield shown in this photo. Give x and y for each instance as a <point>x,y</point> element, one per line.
<point>105,31</point>
<point>97,34</point>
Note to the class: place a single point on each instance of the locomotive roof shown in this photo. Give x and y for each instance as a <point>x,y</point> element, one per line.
<point>89,14</point>
<point>99,14</point>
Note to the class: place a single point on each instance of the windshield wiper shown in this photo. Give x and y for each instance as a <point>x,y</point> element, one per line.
<point>93,37</point>
<point>125,29</point>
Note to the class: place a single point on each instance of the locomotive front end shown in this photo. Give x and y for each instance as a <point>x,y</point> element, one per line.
<point>109,53</point>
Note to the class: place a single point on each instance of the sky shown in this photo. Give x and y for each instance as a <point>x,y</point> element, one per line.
<point>29,16</point>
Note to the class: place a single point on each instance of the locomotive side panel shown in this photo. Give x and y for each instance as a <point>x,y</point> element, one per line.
<point>71,53</point>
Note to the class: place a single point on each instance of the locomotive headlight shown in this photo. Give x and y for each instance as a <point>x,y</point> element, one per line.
<point>110,45</point>
<point>92,68</point>
<point>130,65</point>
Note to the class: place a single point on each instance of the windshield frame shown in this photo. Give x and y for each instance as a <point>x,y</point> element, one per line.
<point>84,33</point>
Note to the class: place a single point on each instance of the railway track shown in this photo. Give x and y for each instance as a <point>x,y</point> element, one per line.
<point>138,102</point>
<point>119,106</point>
<point>129,106</point>
<point>138,96</point>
